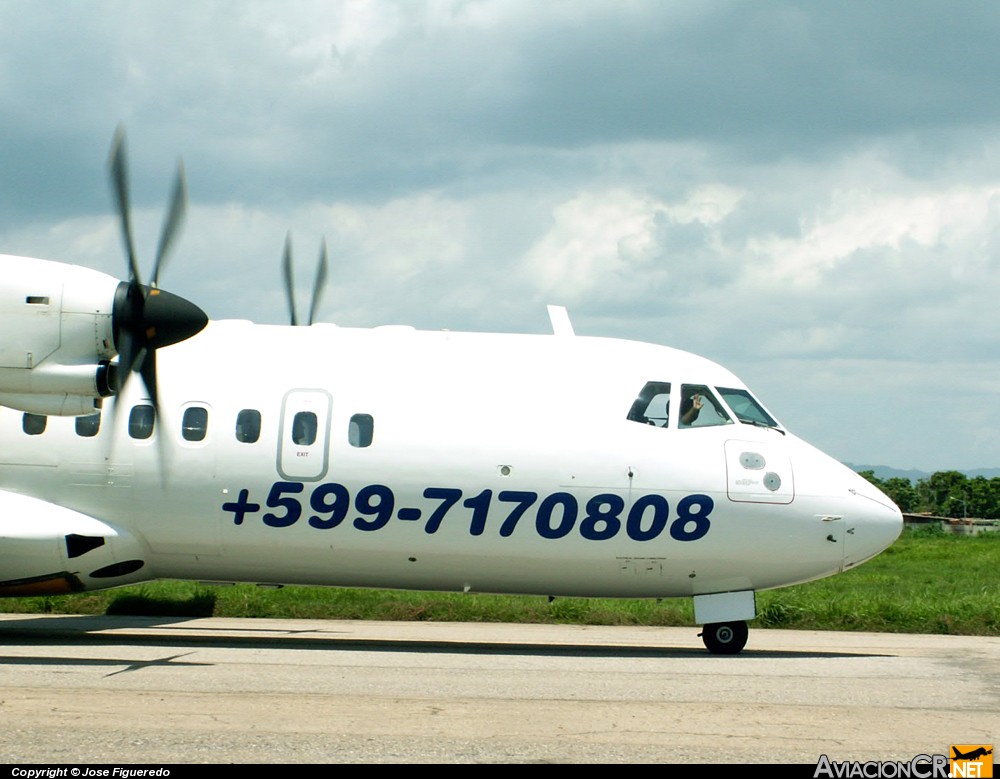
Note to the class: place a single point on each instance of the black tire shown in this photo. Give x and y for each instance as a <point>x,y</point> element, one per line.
<point>725,638</point>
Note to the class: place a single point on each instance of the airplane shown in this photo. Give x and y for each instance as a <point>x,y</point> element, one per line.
<point>142,441</point>
<point>973,755</point>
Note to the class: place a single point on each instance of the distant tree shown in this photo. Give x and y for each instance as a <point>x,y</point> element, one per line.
<point>983,497</point>
<point>976,497</point>
<point>944,493</point>
<point>994,505</point>
<point>902,492</point>
<point>870,476</point>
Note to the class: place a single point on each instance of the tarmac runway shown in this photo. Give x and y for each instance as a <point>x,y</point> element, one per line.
<point>116,690</point>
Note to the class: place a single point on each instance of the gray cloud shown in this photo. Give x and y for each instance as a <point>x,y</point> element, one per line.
<point>805,193</point>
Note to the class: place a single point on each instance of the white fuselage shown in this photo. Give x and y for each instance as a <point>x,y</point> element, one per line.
<point>444,461</point>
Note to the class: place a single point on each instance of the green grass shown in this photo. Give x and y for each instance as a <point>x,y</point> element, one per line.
<point>927,582</point>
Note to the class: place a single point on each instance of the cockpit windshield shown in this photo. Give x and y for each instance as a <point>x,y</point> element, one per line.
<point>746,407</point>
<point>699,406</point>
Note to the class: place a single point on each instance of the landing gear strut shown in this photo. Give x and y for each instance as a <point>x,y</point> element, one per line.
<point>725,638</point>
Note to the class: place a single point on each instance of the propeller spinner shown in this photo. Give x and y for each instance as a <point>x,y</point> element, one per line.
<point>145,318</point>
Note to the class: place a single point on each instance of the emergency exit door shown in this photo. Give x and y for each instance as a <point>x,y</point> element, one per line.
<point>304,442</point>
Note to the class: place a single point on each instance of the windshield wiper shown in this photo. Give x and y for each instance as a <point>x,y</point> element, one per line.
<point>758,423</point>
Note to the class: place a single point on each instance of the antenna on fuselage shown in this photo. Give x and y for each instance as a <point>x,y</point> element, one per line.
<point>559,317</point>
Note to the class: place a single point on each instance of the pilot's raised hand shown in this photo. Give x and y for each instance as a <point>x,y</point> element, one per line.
<point>691,414</point>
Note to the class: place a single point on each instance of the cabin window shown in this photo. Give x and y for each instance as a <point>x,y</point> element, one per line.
<point>746,407</point>
<point>304,428</point>
<point>33,424</point>
<point>700,408</point>
<point>140,422</point>
<point>194,424</point>
<point>652,406</point>
<point>248,426</point>
<point>88,426</point>
<point>361,430</point>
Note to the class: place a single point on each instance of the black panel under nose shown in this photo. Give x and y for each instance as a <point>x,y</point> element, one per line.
<point>77,545</point>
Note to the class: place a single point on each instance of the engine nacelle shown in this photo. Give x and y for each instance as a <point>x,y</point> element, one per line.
<point>61,405</point>
<point>58,336</point>
<point>47,549</point>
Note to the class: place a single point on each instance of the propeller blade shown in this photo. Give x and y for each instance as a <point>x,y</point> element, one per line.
<point>113,421</point>
<point>147,371</point>
<point>119,181</point>
<point>128,354</point>
<point>175,218</point>
<point>132,354</point>
<point>147,318</point>
<point>286,266</point>
<point>319,284</point>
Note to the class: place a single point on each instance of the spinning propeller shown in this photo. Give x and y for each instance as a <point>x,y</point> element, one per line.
<point>318,284</point>
<point>145,318</point>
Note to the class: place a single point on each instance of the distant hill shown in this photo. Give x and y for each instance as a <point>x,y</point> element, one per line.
<point>886,472</point>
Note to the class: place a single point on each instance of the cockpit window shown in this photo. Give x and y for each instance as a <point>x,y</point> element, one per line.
<point>652,407</point>
<point>700,408</point>
<point>746,407</point>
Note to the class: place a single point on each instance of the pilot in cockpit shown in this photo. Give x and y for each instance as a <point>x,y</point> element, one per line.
<point>690,408</point>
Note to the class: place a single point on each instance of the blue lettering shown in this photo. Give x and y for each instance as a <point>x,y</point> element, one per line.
<point>555,516</point>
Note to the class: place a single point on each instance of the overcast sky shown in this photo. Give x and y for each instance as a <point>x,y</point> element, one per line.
<point>808,193</point>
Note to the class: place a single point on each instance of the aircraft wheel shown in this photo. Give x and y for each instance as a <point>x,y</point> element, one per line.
<point>725,638</point>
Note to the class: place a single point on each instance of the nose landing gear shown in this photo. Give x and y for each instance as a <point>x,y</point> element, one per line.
<point>725,638</point>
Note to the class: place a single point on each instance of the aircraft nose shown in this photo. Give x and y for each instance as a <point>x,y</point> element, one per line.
<point>854,510</point>
<point>874,522</point>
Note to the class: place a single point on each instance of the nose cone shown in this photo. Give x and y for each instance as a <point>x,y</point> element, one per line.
<point>873,522</point>
<point>858,519</point>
